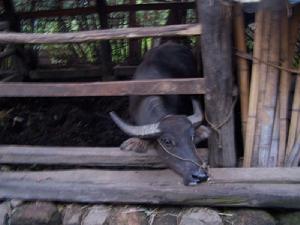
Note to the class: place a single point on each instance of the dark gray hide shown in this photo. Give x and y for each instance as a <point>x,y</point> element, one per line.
<point>161,119</point>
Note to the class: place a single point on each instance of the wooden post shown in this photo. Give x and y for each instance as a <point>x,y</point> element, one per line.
<point>14,25</point>
<point>105,49</point>
<point>216,45</point>
<point>134,44</point>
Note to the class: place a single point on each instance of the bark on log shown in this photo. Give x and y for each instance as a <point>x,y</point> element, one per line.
<point>109,34</point>
<point>115,88</point>
<point>216,45</point>
<point>154,187</point>
<point>83,156</point>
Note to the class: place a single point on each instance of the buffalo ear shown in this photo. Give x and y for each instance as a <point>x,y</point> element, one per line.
<point>201,134</point>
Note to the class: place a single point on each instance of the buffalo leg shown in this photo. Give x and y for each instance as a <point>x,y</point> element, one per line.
<point>136,145</point>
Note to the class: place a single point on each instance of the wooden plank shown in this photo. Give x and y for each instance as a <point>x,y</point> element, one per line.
<point>115,88</point>
<point>216,46</point>
<point>154,187</point>
<point>82,156</point>
<point>110,9</point>
<point>94,35</point>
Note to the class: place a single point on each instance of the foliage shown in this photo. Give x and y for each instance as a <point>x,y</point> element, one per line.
<point>66,54</point>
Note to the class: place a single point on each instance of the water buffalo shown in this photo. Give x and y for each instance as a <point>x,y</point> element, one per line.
<point>161,120</point>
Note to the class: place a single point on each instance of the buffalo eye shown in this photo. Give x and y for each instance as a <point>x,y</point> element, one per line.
<point>167,142</point>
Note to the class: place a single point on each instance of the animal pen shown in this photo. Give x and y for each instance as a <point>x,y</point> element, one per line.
<point>268,94</point>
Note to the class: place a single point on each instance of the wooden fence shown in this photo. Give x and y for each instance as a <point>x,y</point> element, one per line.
<point>253,187</point>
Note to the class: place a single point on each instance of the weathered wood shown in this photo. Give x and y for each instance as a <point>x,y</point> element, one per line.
<point>263,70</point>
<point>110,9</point>
<point>83,156</point>
<point>94,35</point>
<point>271,86</point>
<point>134,48</point>
<point>254,92</point>
<point>155,187</point>
<point>294,128</point>
<point>216,49</point>
<point>284,90</point>
<point>11,16</point>
<point>66,73</point>
<point>105,55</point>
<point>116,88</point>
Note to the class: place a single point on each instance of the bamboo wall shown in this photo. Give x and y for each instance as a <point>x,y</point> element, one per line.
<point>270,103</point>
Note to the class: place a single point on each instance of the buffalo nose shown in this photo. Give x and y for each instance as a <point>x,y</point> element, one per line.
<point>200,176</point>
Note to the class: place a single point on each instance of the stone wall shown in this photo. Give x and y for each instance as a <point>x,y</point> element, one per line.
<point>16,212</point>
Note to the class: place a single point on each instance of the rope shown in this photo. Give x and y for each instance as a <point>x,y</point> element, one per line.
<point>217,128</point>
<point>203,165</point>
<point>254,59</point>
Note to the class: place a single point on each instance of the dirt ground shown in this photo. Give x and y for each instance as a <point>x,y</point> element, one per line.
<point>61,121</point>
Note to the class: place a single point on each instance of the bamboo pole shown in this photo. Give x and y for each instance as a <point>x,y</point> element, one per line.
<point>270,98</point>
<point>263,69</point>
<point>273,159</point>
<point>293,148</point>
<point>294,156</point>
<point>293,30</point>
<point>284,89</point>
<point>251,121</point>
<point>243,69</point>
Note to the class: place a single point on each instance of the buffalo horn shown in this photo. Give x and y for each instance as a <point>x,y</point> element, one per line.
<point>144,131</point>
<point>197,117</point>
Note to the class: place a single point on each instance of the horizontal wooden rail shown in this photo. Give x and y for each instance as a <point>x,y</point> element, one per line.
<point>82,156</point>
<point>250,187</point>
<point>115,88</point>
<point>94,35</point>
<point>109,9</point>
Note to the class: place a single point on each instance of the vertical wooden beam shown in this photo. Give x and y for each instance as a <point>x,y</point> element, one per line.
<point>134,44</point>
<point>14,25</point>
<point>216,20</point>
<point>11,16</point>
<point>105,55</point>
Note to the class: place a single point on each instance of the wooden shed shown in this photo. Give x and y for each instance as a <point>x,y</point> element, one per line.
<point>250,80</point>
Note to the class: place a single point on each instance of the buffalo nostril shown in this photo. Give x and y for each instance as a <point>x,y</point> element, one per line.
<point>200,176</point>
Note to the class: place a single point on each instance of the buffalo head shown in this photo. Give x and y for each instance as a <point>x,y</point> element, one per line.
<point>174,135</point>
